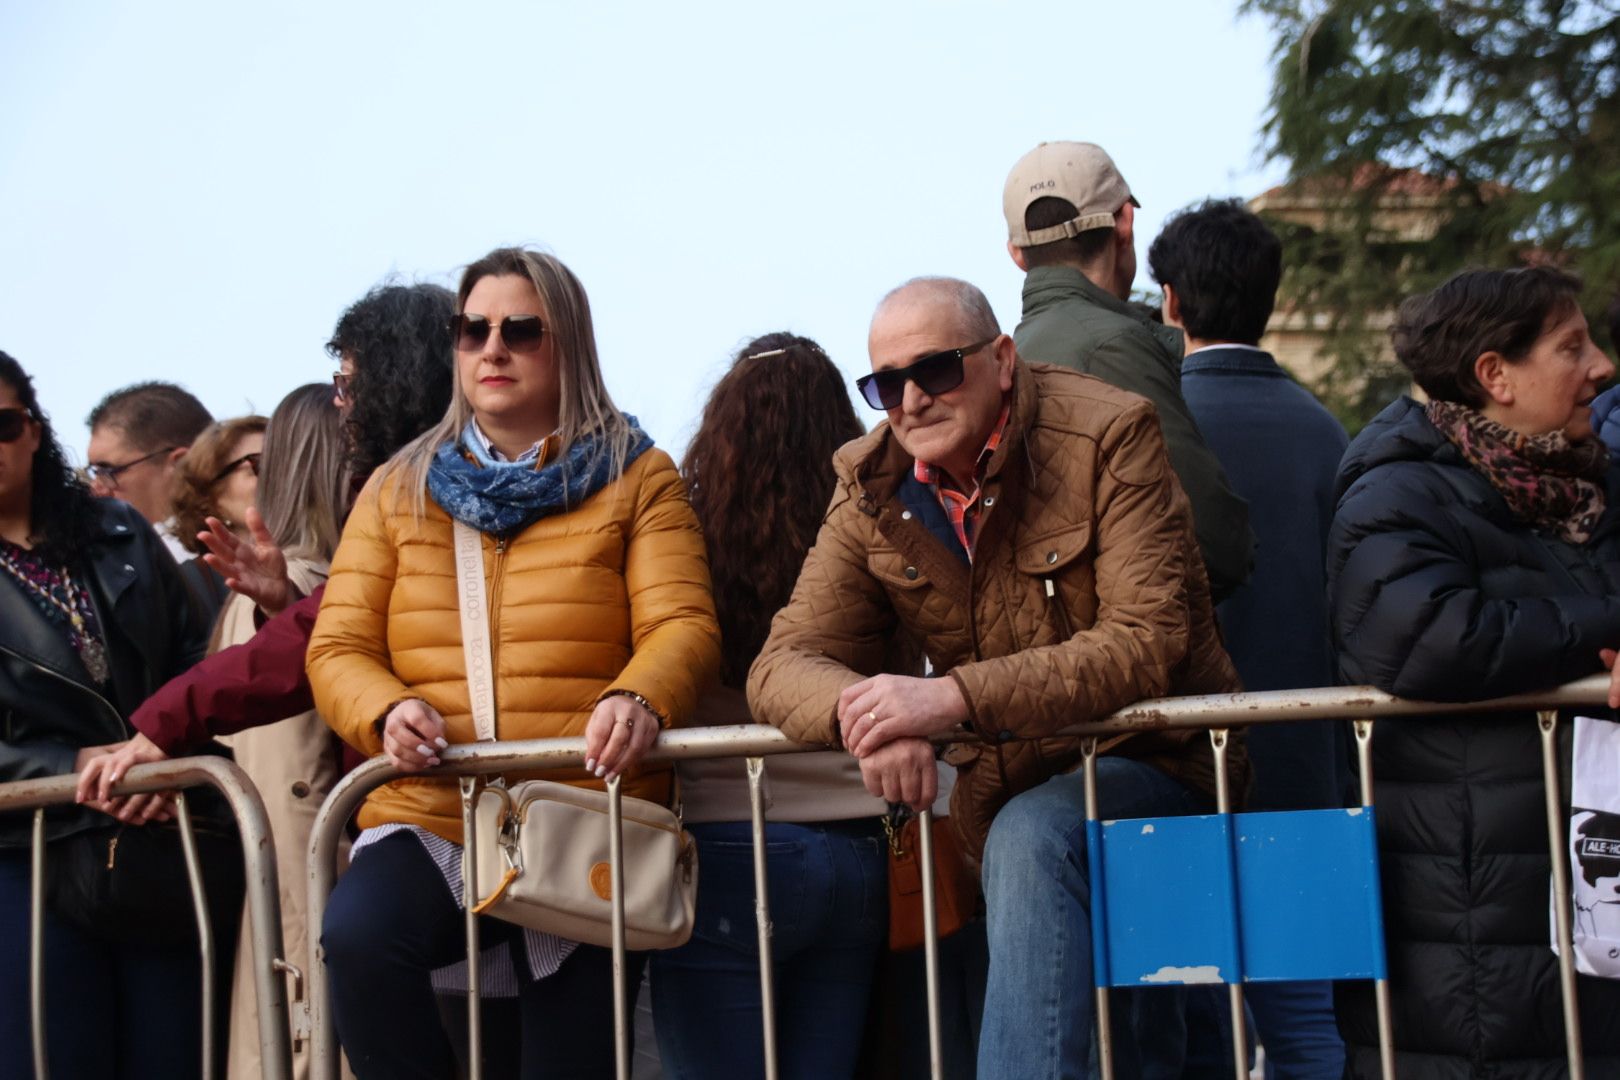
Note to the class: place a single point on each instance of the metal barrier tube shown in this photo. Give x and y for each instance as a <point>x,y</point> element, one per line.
<point>1218,740</point>
<point>36,944</point>
<point>469,902</point>
<point>205,930</point>
<point>259,859</point>
<point>925,855</point>
<point>621,1019</point>
<point>1563,898</point>
<point>762,913</point>
<point>1231,710</point>
<point>1104,1035</point>
<point>1386,1021</point>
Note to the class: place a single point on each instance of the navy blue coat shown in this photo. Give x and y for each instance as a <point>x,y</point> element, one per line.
<point>1438,593</point>
<point>1280,448</point>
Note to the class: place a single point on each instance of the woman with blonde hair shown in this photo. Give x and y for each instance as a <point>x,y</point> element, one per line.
<point>601,625</point>
<point>303,488</point>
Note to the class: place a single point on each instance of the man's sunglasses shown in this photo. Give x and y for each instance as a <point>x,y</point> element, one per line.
<point>13,422</point>
<point>938,373</point>
<point>250,460</point>
<point>109,474</point>
<point>520,333</point>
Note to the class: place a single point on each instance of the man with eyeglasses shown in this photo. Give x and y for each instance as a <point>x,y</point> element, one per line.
<point>137,437</point>
<point>1070,226</point>
<point>1022,524</point>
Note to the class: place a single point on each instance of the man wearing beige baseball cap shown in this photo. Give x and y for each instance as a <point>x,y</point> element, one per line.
<point>1070,219</point>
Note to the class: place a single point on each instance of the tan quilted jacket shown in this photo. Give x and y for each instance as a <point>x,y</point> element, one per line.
<point>1086,594</point>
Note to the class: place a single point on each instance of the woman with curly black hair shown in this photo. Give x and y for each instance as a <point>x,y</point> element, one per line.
<point>760,474</point>
<point>93,617</point>
<point>407,327</point>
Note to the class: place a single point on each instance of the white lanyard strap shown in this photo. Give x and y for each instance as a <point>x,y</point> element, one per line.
<point>475,628</point>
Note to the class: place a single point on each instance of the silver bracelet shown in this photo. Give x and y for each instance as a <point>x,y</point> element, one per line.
<point>643,702</point>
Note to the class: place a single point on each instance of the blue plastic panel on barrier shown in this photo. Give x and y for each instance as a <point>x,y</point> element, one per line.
<point>1251,897</point>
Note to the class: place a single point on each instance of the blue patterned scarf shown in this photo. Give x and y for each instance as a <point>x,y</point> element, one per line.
<point>502,498</point>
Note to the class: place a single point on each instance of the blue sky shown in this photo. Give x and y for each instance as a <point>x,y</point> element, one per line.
<point>196,191</point>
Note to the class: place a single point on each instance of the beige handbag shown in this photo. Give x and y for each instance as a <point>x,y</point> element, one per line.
<point>543,847</point>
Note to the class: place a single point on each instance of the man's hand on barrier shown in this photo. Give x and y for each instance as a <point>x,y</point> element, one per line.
<point>876,711</point>
<point>413,735</point>
<point>101,767</point>
<point>619,733</point>
<point>903,771</point>
<point>254,567</point>
<point>1608,657</point>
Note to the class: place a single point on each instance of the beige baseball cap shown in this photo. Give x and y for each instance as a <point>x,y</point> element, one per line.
<point>1081,173</point>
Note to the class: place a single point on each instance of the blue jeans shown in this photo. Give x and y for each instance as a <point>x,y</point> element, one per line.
<point>1038,1005</point>
<point>1294,1021</point>
<point>118,1011</point>
<point>829,918</point>
<point>392,921</point>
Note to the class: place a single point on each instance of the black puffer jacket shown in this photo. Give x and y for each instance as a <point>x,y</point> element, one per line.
<point>1437,593</point>
<point>49,707</point>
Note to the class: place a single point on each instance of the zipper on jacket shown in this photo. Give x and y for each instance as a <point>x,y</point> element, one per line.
<point>76,684</point>
<point>1056,602</point>
<point>497,576</point>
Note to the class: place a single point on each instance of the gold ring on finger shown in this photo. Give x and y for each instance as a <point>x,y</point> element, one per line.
<point>871,717</point>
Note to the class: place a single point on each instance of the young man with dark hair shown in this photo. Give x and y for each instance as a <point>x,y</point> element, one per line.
<point>137,437</point>
<point>1219,266</point>
<point>1070,220</point>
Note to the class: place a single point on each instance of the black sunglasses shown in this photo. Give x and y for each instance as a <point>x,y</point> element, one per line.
<point>251,460</point>
<point>520,333</point>
<point>13,422</point>
<point>937,373</point>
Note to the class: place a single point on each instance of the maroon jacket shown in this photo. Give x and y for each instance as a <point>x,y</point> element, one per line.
<point>257,682</point>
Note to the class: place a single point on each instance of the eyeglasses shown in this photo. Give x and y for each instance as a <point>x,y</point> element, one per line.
<point>938,373</point>
<point>250,460</point>
<point>340,385</point>
<point>520,333</point>
<point>106,474</point>
<point>13,422</point>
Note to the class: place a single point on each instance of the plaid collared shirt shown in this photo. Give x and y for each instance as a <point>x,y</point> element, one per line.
<point>963,509</point>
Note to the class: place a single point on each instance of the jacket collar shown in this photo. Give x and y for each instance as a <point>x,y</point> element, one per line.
<point>1048,286</point>
<point>1235,359</point>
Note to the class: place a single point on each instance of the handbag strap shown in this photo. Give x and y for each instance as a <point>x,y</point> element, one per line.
<point>471,590</point>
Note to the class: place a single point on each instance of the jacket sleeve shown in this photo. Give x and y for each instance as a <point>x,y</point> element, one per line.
<point>836,630</point>
<point>674,635</point>
<point>34,759</point>
<point>348,664</point>
<point>257,682</point>
<point>1409,616</point>
<point>1220,515</point>
<point>1141,629</point>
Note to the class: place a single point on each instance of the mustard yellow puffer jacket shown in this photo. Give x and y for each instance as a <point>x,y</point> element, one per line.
<point>611,595</point>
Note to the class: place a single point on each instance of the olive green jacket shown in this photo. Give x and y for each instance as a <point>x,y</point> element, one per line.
<point>1070,321</point>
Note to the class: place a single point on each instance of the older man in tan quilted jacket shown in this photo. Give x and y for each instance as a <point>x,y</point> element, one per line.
<point>1022,524</point>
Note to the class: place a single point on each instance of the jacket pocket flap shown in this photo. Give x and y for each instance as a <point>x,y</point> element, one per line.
<point>1055,551</point>
<point>891,567</point>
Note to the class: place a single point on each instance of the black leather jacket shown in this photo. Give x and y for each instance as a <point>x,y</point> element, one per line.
<point>49,707</point>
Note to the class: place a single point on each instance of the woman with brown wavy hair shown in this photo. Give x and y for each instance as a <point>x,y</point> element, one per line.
<point>218,477</point>
<point>760,474</point>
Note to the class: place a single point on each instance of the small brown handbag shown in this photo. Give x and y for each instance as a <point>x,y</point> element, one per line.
<point>956,890</point>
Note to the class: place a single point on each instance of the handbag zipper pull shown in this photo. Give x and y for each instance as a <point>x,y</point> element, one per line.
<point>112,851</point>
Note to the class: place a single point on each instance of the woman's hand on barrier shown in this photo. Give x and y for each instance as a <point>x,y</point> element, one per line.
<point>413,735</point>
<point>1608,657</point>
<point>618,734</point>
<point>255,567</point>
<point>101,767</point>
<point>876,711</point>
<point>903,771</point>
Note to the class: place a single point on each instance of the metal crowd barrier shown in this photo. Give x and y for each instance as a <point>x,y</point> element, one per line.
<point>1217,713</point>
<point>263,896</point>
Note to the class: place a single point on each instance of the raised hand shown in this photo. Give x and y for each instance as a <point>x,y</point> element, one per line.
<point>254,567</point>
